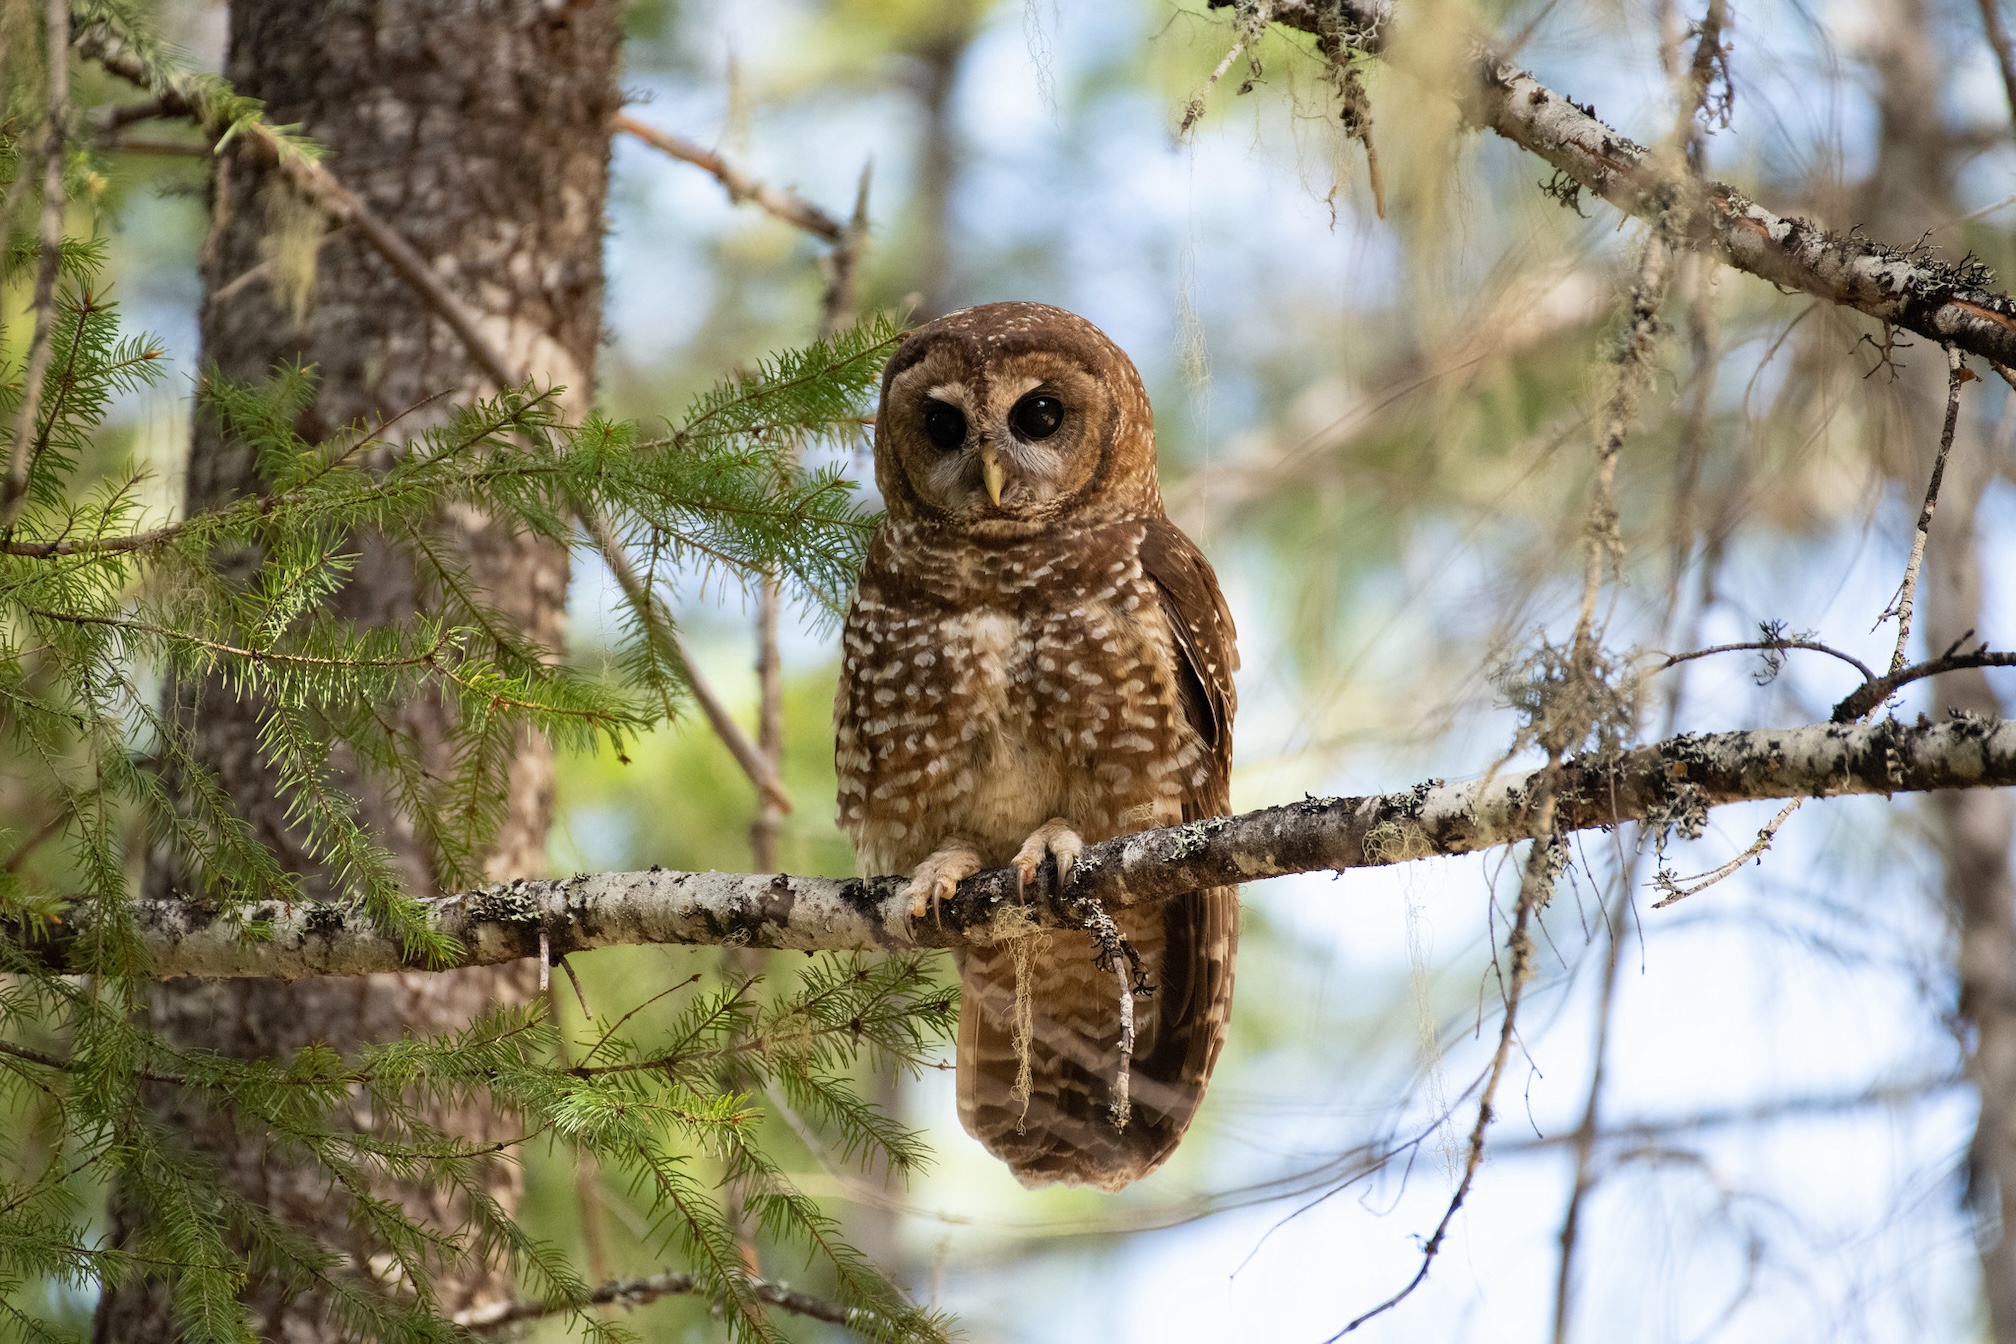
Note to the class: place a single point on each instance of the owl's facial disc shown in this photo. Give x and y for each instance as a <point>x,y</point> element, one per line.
<point>1011,440</point>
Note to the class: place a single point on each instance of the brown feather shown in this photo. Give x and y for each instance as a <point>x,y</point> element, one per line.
<point>1064,654</point>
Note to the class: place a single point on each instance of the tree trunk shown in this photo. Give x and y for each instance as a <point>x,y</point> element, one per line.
<point>1976,829</point>
<point>480,132</point>
<point>1912,189</point>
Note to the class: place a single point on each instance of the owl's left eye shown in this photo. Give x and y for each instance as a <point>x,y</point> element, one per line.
<point>944,425</point>
<point>1036,417</point>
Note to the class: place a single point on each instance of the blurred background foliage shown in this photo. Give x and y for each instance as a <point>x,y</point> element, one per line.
<point>1381,430</point>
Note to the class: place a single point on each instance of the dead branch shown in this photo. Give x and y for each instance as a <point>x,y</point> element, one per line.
<point>786,205</point>
<point>1904,287</point>
<point>345,207</point>
<point>1907,591</point>
<point>1666,784</point>
<point>638,1292</point>
<point>1871,694</point>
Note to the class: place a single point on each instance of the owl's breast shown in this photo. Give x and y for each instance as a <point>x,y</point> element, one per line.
<point>984,719</point>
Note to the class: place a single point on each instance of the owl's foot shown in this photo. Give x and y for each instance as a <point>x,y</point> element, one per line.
<point>935,879</point>
<point>1055,837</point>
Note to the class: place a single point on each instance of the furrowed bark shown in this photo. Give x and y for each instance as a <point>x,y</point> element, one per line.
<point>1905,287</point>
<point>1671,783</point>
<point>478,135</point>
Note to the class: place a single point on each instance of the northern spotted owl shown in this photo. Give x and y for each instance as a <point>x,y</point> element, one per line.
<point>1037,659</point>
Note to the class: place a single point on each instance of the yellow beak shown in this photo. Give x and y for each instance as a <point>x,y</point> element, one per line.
<point>991,473</point>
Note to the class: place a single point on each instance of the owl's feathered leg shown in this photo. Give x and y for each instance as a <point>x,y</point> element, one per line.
<point>1055,836</point>
<point>934,879</point>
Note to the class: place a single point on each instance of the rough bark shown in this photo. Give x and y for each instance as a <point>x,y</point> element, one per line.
<point>1977,832</point>
<point>1905,286</point>
<point>1913,187</point>
<point>480,133</point>
<point>1671,783</point>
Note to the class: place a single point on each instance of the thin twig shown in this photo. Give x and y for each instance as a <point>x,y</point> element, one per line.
<point>1680,888</point>
<point>1868,697</point>
<point>41,835</point>
<point>659,629</point>
<point>786,205</point>
<point>638,1292</point>
<point>1907,592</point>
<point>163,149</point>
<point>2005,49</point>
<point>836,308</point>
<point>1254,16</point>
<point>580,993</point>
<point>1772,646</point>
<point>1590,1129</point>
<point>41,349</point>
<point>1535,887</point>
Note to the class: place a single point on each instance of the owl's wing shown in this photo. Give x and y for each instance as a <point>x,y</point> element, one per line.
<point>1206,652</point>
<point>1061,1128</point>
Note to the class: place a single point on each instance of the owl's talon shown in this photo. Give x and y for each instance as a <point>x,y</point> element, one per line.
<point>1054,837</point>
<point>935,879</point>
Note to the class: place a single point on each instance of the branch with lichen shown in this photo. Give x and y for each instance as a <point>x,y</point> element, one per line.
<point>1908,287</point>
<point>1668,786</point>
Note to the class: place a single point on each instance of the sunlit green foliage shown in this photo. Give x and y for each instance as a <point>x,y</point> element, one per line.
<point>102,606</point>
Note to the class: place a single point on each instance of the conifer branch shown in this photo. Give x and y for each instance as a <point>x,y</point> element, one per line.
<point>1669,785</point>
<point>1908,287</point>
<point>345,207</point>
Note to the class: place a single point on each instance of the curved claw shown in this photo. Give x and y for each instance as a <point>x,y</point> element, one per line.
<point>1055,837</point>
<point>935,879</point>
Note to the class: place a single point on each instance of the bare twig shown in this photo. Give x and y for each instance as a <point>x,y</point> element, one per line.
<point>163,107</point>
<point>1252,21</point>
<point>1866,698</point>
<point>1773,646</point>
<point>1535,888</point>
<point>1907,591</point>
<point>836,309</point>
<point>1590,1129</point>
<point>637,1292</point>
<point>659,629</point>
<point>42,344</point>
<point>769,718</point>
<point>786,205</point>
<point>1680,888</point>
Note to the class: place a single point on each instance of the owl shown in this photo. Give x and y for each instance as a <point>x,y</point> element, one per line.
<point>1037,659</point>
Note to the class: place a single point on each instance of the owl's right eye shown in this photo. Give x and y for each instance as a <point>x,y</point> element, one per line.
<point>944,425</point>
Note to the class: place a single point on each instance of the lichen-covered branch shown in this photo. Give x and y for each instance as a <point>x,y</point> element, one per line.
<point>1667,784</point>
<point>1909,287</point>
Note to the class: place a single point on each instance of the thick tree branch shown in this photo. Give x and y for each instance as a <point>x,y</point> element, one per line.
<point>1668,784</point>
<point>1906,287</point>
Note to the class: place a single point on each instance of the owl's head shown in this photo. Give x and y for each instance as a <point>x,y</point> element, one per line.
<point>1011,417</point>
